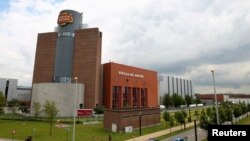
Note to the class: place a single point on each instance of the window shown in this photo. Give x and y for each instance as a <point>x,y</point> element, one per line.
<point>126,97</point>
<point>144,97</point>
<point>116,90</point>
<point>135,97</point>
<point>67,34</point>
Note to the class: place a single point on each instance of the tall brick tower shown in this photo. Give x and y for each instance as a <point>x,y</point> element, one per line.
<point>71,51</point>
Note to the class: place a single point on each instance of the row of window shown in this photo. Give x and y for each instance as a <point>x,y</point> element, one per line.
<point>127,97</point>
<point>24,94</point>
<point>68,34</point>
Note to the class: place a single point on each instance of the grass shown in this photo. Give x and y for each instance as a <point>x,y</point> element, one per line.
<point>40,130</point>
<point>245,121</point>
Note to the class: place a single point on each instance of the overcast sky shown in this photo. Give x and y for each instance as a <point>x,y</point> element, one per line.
<point>183,38</point>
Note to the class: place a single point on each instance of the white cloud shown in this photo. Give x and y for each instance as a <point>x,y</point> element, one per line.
<point>169,36</point>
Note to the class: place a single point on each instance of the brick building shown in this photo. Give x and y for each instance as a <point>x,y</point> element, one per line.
<point>129,87</point>
<point>131,96</point>
<point>72,51</point>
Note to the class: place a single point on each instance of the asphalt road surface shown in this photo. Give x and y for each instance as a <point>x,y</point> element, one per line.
<point>201,134</point>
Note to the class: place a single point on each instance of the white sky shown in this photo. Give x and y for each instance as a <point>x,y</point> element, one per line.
<point>183,38</point>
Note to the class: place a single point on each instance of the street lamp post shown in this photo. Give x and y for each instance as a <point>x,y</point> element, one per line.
<point>195,130</point>
<point>74,113</point>
<point>215,96</point>
<point>140,122</point>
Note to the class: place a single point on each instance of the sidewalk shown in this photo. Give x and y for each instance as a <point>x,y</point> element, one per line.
<point>7,140</point>
<point>161,133</point>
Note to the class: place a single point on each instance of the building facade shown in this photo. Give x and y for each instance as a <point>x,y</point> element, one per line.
<point>8,87</point>
<point>11,91</point>
<point>63,94</point>
<point>170,85</point>
<point>70,52</point>
<point>127,120</point>
<point>24,95</point>
<point>129,87</point>
<point>234,98</point>
<point>130,96</point>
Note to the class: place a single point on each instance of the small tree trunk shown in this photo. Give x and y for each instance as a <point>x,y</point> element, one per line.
<point>50,129</point>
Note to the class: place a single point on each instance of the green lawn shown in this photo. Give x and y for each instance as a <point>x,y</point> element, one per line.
<point>245,121</point>
<point>83,132</point>
<point>40,130</point>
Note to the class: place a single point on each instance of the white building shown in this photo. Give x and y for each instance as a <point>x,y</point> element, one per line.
<point>63,94</point>
<point>169,84</point>
<point>11,91</point>
<point>237,98</point>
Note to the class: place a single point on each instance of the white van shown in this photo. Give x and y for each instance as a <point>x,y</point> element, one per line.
<point>162,107</point>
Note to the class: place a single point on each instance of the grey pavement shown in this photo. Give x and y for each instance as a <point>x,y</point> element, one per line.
<point>8,140</point>
<point>160,133</point>
<point>189,135</point>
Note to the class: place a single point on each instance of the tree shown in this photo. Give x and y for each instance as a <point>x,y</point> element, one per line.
<point>184,113</point>
<point>208,111</point>
<point>2,102</point>
<point>50,111</point>
<point>13,103</point>
<point>177,100</point>
<point>213,117</point>
<point>171,122</point>
<point>237,110</point>
<point>189,100</point>
<point>248,107</point>
<point>167,100</point>
<point>197,114</point>
<point>243,107</point>
<point>2,99</point>
<point>203,120</point>
<point>229,114</point>
<point>222,113</point>
<point>99,109</point>
<point>197,100</point>
<point>37,109</point>
<point>166,117</point>
<point>227,106</point>
<point>179,117</point>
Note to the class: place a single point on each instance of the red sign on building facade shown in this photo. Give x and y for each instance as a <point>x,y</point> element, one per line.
<point>84,112</point>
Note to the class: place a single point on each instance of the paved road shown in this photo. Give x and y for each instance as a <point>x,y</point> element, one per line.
<point>201,134</point>
<point>159,133</point>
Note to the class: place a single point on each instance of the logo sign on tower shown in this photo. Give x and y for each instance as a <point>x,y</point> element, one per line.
<point>64,18</point>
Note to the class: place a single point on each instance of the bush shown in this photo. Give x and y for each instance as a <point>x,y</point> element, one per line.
<point>99,109</point>
<point>1,110</point>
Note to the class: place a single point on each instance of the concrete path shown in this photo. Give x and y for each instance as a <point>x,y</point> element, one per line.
<point>160,133</point>
<point>7,140</point>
